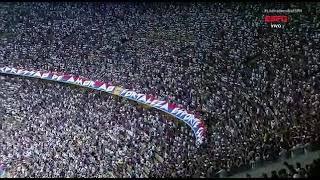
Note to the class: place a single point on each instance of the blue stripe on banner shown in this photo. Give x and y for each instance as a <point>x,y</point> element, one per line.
<point>2,171</point>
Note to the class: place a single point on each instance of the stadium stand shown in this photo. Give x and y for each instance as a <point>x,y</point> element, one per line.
<point>255,88</point>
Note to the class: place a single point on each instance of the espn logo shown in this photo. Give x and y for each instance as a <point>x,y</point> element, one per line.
<point>276,19</point>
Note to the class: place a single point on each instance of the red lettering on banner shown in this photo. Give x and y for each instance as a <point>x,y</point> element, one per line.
<point>98,83</point>
<point>272,19</point>
<point>66,77</point>
<point>171,106</point>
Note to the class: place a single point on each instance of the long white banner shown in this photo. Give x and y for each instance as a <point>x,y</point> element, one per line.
<point>176,110</point>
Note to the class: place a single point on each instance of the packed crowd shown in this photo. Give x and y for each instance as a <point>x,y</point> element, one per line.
<point>53,130</point>
<point>309,171</point>
<point>257,88</point>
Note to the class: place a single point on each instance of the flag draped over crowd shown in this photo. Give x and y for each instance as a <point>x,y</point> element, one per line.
<point>176,110</point>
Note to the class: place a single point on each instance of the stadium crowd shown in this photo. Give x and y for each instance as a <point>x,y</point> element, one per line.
<point>55,130</point>
<point>257,88</point>
<point>309,171</point>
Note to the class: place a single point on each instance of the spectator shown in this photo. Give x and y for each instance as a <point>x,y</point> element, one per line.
<point>274,174</point>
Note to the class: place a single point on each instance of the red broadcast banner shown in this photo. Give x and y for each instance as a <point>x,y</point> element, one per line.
<point>276,19</point>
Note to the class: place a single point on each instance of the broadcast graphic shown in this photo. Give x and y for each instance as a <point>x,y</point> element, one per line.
<point>278,18</point>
